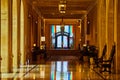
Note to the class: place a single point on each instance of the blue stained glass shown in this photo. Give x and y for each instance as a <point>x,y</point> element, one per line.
<point>69,76</point>
<point>65,40</point>
<point>58,28</point>
<point>59,41</point>
<point>53,42</point>
<point>53,30</point>
<point>71,42</point>
<point>66,29</point>
<point>71,31</point>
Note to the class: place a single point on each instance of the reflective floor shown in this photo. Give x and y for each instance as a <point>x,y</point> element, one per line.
<point>60,69</point>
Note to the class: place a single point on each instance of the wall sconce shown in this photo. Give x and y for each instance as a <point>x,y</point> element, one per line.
<point>42,42</point>
<point>43,38</point>
<point>62,6</point>
<point>34,45</point>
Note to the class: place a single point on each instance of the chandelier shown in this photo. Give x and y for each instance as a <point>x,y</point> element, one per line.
<point>62,6</point>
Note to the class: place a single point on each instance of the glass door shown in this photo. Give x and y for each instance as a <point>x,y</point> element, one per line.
<point>62,42</point>
<point>61,37</point>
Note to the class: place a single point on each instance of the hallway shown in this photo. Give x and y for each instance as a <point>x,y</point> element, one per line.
<point>62,69</point>
<point>62,30</point>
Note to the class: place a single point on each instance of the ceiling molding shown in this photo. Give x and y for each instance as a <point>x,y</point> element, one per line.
<point>75,9</point>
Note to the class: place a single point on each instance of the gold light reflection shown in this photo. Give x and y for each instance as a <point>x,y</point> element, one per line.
<point>34,77</point>
<point>42,71</point>
<point>42,74</point>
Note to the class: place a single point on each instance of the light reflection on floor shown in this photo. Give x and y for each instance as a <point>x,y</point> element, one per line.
<point>57,70</point>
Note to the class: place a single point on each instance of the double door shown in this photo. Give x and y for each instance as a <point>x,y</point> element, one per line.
<point>62,40</point>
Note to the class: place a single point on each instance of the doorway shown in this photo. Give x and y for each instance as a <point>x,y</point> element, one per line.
<point>62,40</point>
<point>62,37</point>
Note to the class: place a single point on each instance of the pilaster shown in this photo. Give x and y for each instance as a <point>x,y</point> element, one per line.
<point>10,55</point>
<point>101,30</point>
<point>39,31</point>
<point>18,33</point>
<point>85,28</point>
<point>0,40</point>
<point>25,30</point>
<point>117,35</point>
<point>110,25</point>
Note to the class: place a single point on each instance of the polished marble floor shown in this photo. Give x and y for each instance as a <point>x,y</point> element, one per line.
<point>60,69</point>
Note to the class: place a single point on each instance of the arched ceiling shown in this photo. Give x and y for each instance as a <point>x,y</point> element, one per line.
<point>75,9</point>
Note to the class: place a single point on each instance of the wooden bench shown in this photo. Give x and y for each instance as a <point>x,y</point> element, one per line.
<point>106,64</point>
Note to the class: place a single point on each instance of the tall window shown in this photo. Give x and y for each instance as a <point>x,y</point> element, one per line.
<point>61,37</point>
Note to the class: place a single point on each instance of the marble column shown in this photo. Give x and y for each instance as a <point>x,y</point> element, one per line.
<point>117,33</point>
<point>39,31</point>
<point>118,37</point>
<point>92,26</point>
<point>10,55</point>
<point>48,35</point>
<point>78,29</point>
<point>18,32</point>
<point>82,33</point>
<point>30,23</point>
<point>77,36</point>
<point>85,28</point>
<point>110,25</point>
<point>25,30</point>
<point>80,25</point>
<point>110,29</point>
<point>22,30</point>
<point>101,30</point>
<point>0,40</point>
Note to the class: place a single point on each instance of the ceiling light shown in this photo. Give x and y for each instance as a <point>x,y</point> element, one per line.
<point>62,6</point>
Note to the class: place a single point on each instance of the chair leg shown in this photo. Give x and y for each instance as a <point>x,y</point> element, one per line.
<point>109,69</point>
<point>106,68</point>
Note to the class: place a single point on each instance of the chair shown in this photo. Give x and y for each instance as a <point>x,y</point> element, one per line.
<point>106,64</point>
<point>99,60</point>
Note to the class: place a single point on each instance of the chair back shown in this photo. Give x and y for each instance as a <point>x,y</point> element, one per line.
<point>104,51</point>
<point>112,53</point>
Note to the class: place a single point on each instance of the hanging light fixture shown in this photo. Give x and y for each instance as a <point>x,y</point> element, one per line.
<point>62,25</point>
<point>62,6</point>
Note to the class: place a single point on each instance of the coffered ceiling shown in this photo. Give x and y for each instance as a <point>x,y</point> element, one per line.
<point>49,9</point>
